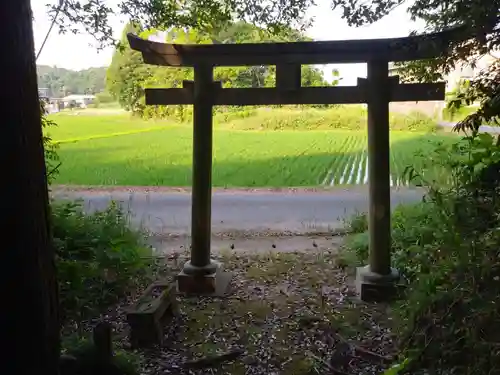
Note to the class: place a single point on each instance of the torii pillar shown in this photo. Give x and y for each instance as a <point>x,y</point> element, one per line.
<point>201,274</point>
<point>377,280</point>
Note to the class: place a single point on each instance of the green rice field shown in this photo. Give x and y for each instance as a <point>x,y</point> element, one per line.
<point>118,150</point>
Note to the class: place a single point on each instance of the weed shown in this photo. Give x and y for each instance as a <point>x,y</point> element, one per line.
<point>99,258</point>
<point>357,223</point>
<point>447,247</point>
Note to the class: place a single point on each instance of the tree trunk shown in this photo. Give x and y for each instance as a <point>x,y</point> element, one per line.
<point>29,319</point>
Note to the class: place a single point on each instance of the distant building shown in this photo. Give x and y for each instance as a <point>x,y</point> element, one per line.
<point>467,72</point>
<point>43,93</point>
<point>54,105</point>
<point>431,108</point>
<point>462,71</point>
<point>453,79</point>
<point>78,101</point>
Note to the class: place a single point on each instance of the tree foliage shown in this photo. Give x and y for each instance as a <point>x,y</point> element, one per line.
<point>481,22</point>
<point>94,16</point>
<point>485,89</point>
<point>50,148</point>
<point>128,75</point>
<point>62,82</point>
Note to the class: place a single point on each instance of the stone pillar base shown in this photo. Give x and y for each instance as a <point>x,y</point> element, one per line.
<point>373,287</point>
<point>209,281</point>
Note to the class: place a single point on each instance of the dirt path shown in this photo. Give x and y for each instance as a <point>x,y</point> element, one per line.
<point>254,243</point>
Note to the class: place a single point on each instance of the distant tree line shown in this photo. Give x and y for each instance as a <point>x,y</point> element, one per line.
<point>61,82</point>
<point>127,75</point>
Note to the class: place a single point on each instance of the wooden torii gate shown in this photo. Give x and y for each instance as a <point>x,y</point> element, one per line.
<point>201,275</point>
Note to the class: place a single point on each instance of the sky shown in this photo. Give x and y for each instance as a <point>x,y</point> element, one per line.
<point>77,52</point>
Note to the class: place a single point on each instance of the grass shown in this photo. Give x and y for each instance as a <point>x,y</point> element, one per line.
<point>110,105</point>
<point>115,150</point>
<point>72,127</point>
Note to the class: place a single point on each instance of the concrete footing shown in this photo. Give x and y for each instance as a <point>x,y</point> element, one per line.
<point>374,287</point>
<point>209,281</point>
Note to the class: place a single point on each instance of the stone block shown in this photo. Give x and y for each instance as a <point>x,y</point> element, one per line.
<point>151,313</point>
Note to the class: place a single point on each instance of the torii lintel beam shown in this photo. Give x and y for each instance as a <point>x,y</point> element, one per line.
<point>303,95</point>
<point>414,47</point>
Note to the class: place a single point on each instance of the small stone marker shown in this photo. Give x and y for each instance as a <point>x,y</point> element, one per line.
<point>103,343</point>
<point>149,315</point>
<point>95,360</point>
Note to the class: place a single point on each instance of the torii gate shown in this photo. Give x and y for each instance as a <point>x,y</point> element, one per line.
<point>201,275</point>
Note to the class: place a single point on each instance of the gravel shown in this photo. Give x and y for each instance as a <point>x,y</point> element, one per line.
<point>291,313</point>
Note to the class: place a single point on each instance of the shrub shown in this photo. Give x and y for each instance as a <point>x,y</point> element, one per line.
<point>50,148</point>
<point>356,249</point>
<point>447,246</point>
<point>104,97</point>
<point>413,227</point>
<point>184,113</point>
<point>414,121</point>
<point>99,258</point>
<point>358,222</point>
<point>180,113</point>
<point>453,114</point>
<point>304,119</point>
<point>290,118</point>
<point>450,323</point>
<point>338,117</point>
<point>228,114</point>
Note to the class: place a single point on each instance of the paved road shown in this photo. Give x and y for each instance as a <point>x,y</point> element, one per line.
<point>170,212</point>
<point>482,128</point>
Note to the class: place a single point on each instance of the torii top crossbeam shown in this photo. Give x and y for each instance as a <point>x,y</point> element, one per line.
<point>315,52</point>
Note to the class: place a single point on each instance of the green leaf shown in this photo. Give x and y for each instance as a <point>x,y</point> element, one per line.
<point>479,167</point>
<point>396,369</point>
